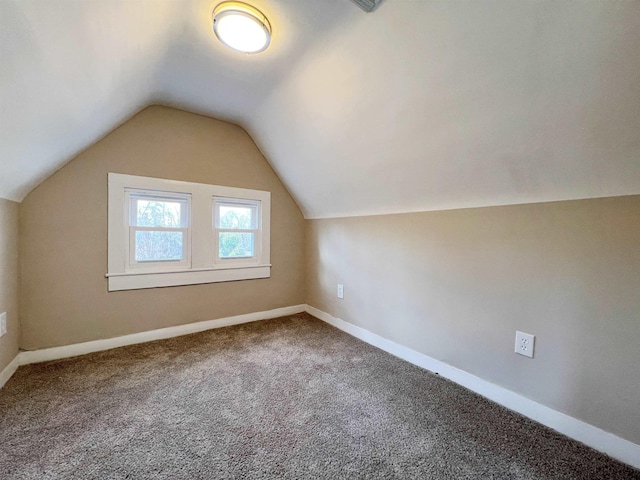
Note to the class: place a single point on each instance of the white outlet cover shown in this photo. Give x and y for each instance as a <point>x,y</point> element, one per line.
<point>3,323</point>
<point>525,343</point>
<point>340,291</point>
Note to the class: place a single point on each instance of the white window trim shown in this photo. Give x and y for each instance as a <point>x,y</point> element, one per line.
<point>203,268</point>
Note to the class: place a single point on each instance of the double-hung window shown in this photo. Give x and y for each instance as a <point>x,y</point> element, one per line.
<point>159,232</point>
<point>237,233</point>
<point>164,233</point>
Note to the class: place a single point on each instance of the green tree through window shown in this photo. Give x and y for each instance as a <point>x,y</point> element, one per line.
<point>236,244</point>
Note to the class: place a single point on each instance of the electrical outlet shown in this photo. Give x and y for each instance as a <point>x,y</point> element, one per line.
<point>525,343</point>
<point>3,323</point>
<point>340,291</point>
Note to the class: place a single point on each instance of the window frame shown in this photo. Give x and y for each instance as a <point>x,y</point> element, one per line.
<point>231,261</point>
<point>203,266</point>
<point>162,265</point>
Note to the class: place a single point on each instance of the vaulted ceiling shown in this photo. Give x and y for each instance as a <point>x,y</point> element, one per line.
<point>421,105</point>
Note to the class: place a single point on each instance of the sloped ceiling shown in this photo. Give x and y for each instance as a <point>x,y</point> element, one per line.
<point>421,105</point>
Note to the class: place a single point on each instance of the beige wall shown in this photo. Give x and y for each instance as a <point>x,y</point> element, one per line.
<point>9,279</point>
<point>63,228</point>
<point>456,285</point>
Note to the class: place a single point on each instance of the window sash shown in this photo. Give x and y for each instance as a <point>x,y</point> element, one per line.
<point>132,197</point>
<point>256,246</point>
<point>255,206</point>
<point>135,196</point>
<point>184,262</point>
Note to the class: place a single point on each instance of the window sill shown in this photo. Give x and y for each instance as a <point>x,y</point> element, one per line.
<point>139,280</point>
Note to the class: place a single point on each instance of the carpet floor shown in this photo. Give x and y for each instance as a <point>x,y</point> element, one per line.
<point>284,398</point>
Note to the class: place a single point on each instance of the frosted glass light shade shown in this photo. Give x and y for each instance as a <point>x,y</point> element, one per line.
<point>241,27</point>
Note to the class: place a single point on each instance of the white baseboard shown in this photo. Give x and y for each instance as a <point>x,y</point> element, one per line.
<point>612,445</point>
<point>594,437</point>
<point>9,370</point>
<point>76,349</point>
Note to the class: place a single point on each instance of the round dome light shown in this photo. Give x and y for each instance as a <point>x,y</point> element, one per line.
<point>241,27</point>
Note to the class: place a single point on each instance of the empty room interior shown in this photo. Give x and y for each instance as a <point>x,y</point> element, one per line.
<point>319,239</point>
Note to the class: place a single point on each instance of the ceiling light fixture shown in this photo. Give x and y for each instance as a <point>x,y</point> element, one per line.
<point>241,27</point>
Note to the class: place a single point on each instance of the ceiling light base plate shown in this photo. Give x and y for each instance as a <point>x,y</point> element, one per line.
<point>367,5</point>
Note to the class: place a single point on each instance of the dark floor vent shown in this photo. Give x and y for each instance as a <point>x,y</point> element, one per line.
<point>367,5</point>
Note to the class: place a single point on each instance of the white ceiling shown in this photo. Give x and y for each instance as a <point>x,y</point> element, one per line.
<point>421,105</point>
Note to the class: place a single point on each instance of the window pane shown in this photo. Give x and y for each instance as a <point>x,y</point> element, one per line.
<point>158,213</point>
<point>236,216</point>
<point>234,245</point>
<point>158,246</point>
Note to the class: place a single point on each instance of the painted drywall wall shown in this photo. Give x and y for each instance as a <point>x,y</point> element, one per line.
<point>9,279</point>
<point>456,285</point>
<point>63,233</point>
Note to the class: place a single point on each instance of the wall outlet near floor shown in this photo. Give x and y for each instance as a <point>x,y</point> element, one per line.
<point>525,343</point>
<point>3,323</point>
<point>340,291</point>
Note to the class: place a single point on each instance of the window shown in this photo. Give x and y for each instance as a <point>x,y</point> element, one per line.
<point>165,232</point>
<point>236,229</point>
<point>159,233</point>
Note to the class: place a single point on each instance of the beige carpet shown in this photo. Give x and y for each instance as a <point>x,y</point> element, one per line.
<point>284,398</point>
